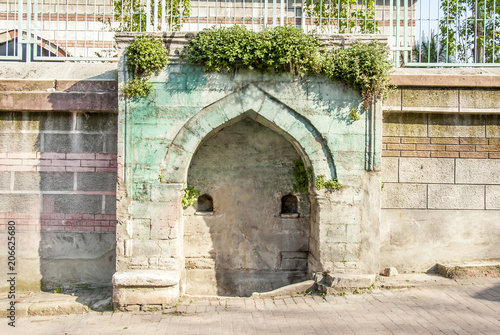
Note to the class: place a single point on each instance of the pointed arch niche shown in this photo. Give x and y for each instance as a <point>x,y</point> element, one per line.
<point>253,103</point>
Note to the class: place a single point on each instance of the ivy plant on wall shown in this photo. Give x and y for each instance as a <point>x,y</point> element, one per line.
<point>144,56</point>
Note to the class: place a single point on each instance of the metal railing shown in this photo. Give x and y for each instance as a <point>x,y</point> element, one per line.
<point>421,32</point>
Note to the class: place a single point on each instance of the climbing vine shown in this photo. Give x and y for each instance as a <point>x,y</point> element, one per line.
<point>364,66</point>
<point>144,56</point>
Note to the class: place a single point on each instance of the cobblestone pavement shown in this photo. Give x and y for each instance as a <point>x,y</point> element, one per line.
<point>459,309</point>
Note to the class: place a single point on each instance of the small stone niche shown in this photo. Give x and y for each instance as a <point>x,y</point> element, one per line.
<point>205,205</point>
<point>289,206</point>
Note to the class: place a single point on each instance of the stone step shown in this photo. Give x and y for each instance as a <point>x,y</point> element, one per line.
<point>481,268</point>
<point>288,290</point>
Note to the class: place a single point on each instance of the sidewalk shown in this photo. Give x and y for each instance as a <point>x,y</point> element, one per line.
<point>431,305</point>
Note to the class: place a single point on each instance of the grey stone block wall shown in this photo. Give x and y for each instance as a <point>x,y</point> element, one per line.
<point>441,177</point>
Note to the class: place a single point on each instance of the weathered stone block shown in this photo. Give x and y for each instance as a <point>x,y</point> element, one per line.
<point>479,99</point>
<point>22,203</point>
<point>477,171</point>
<point>43,181</point>
<point>5,181</point>
<point>390,169</point>
<point>426,170</point>
<point>456,197</point>
<point>96,181</point>
<point>390,272</point>
<point>165,296</point>
<point>110,205</point>
<point>434,99</point>
<point>350,281</point>
<point>146,278</point>
<point>393,101</point>
<point>73,143</point>
<point>456,125</point>
<point>419,239</point>
<point>19,142</point>
<point>404,196</point>
<point>97,122</point>
<point>492,197</point>
<point>51,121</point>
<point>493,126</point>
<point>110,144</point>
<point>405,124</point>
<point>77,203</point>
<point>269,109</point>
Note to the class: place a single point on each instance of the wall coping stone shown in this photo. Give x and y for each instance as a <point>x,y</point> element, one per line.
<point>446,78</point>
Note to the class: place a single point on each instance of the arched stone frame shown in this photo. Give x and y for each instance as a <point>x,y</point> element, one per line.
<point>259,106</point>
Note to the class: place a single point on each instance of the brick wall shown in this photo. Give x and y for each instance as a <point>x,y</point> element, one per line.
<point>58,183</point>
<point>58,170</point>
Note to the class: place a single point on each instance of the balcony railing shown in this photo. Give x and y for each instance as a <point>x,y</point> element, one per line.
<point>421,32</point>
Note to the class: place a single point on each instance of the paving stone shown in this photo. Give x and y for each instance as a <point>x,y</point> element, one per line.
<point>462,307</point>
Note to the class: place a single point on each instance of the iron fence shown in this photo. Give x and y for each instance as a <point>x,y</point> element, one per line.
<point>421,32</point>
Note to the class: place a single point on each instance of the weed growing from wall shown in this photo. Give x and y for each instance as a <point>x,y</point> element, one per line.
<point>332,184</point>
<point>354,115</point>
<point>144,56</point>
<point>190,197</point>
<point>303,176</point>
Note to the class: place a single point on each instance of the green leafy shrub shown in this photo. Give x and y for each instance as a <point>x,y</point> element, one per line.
<point>303,176</point>
<point>144,56</point>
<point>138,88</point>
<point>281,49</point>
<point>364,66</point>
<point>332,184</point>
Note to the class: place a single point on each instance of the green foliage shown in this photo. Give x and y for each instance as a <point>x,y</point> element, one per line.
<point>303,176</point>
<point>364,66</point>
<point>332,184</point>
<point>281,49</point>
<point>190,197</point>
<point>137,88</point>
<point>469,30</point>
<point>354,115</point>
<point>144,56</point>
<point>342,16</point>
<point>132,14</point>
